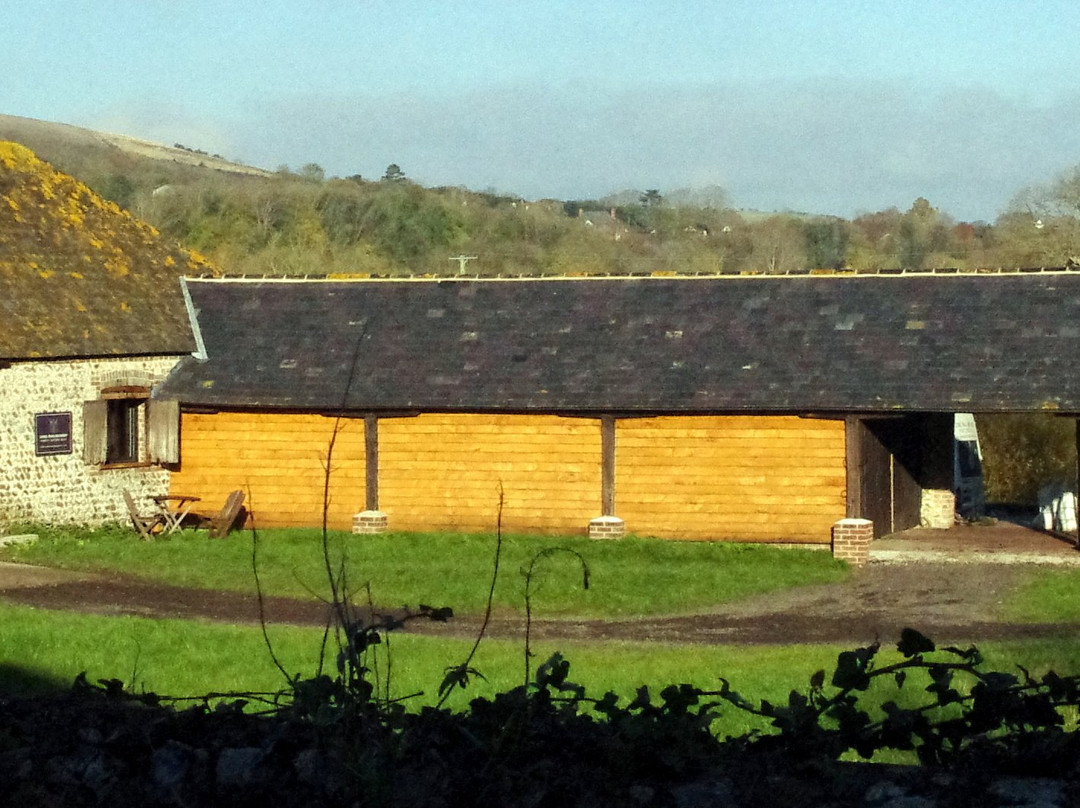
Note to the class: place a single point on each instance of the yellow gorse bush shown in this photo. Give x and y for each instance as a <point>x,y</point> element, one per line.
<point>50,221</point>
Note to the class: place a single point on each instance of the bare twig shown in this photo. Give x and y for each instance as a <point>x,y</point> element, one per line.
<point>529,576</point>
<point>259,593</point>
<point>465,667</point>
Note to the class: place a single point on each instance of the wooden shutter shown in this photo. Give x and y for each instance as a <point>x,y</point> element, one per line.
<point>163,438</point>
<point>95,431</point>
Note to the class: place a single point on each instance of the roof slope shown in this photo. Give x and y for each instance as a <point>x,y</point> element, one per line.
<point>80,277</point>
<point>982,343</point>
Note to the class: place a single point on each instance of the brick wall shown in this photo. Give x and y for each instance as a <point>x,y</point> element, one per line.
<point>62,489</point>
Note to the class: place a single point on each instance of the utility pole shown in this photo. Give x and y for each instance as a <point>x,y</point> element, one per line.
<point>462,261</point>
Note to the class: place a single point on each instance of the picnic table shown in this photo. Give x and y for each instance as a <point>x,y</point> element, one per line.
<point>174,509</point>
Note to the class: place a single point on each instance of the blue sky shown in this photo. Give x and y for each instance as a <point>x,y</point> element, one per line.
<point>831,107</point>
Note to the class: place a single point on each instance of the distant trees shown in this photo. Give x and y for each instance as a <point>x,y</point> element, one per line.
<point>118,188</point>
<point>295,221</point>
<point>826,243</point>
<point>302,221</point>
<point>923,231</point>
<point>393,173</point>
<point>779,245</point>
<point>651,198</point>
<point>1042,224</point>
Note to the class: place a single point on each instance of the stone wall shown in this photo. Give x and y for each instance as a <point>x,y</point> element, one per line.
<point>938,509</point>
<point>62,489</point>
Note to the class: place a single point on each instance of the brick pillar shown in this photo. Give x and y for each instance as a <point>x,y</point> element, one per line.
<point>851,540</point>
<point>369,522</point>
<point>607,527</point>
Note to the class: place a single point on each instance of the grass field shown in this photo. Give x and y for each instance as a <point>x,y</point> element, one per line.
<point>1046,596</point>
<point>45,650</point>
<point>628,577</point>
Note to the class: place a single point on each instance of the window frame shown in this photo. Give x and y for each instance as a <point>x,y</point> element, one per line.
<point>128,415</point>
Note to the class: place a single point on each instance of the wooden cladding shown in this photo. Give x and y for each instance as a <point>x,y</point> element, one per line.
<point>711,477</point>
<point>446,472</point>
<point>280,463</point>
<point>750,478</point>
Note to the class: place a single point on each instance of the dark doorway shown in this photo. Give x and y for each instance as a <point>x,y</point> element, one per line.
<point>899,457</point>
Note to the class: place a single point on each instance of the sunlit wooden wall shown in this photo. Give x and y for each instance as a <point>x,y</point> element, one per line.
<point>749,478</point>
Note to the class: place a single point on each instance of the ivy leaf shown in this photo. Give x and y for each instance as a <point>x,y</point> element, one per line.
<point>641,700</point>
<point>458,676</point>
<point>850,673</point>
<point>913,643</point>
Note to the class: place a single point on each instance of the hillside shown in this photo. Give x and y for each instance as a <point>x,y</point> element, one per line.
<point>61,143</point>
<point>251,221</point>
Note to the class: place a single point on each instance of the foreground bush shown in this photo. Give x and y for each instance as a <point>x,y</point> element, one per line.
<point>331,741</point>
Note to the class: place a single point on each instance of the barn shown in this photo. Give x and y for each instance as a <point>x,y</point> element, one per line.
<point>93,318</point>
<point>749,408</point>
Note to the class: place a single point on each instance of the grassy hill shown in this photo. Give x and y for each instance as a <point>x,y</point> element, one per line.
<point>248,220</point>
<point>79,151</point>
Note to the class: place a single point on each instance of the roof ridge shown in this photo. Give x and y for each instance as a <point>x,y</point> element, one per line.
<point>1070,268</point>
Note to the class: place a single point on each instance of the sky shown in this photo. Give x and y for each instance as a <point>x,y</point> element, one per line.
<point>835,107</point>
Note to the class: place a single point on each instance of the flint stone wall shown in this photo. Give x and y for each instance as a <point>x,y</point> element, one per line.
<point>62,489</point>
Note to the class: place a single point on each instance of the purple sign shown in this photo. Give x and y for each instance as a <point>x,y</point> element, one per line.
<point>52,433</point>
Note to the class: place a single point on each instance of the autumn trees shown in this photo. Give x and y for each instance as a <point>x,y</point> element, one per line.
<point>304,221</point>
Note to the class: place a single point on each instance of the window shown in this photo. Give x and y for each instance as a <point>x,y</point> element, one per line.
<point>122,430</point>
<point>125,427</point>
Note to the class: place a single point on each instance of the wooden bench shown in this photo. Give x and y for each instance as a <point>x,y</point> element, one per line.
<point>222,522</point>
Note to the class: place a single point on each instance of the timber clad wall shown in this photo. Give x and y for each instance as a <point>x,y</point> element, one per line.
<point>279,462</point>
<point>443,472</point>
<point>752,478</point>
<point>744,477</point>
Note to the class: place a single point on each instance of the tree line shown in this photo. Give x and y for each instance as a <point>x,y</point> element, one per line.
<point>301,221</point>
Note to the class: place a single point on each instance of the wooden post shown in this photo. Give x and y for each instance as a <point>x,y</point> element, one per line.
<point>853,463</point>
<point>607,477</point>
<point>371,462</point>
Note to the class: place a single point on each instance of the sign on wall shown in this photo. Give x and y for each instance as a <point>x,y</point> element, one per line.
<point>52,433</point>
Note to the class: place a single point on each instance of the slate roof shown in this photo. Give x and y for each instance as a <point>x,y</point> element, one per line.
<point>79,277</point>
<point>982,343</point>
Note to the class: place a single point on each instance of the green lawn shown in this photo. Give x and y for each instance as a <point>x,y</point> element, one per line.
<point>1045,596</point>
<point>46,649</point>
<point>629,577</point>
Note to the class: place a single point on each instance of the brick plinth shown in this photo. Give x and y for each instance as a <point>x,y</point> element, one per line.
<point>369,522</point>
<point>851,540</point>
<point>938,508</point>
<point>607,527</point>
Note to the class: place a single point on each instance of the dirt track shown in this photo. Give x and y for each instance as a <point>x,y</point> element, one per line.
<point>947,601</point>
